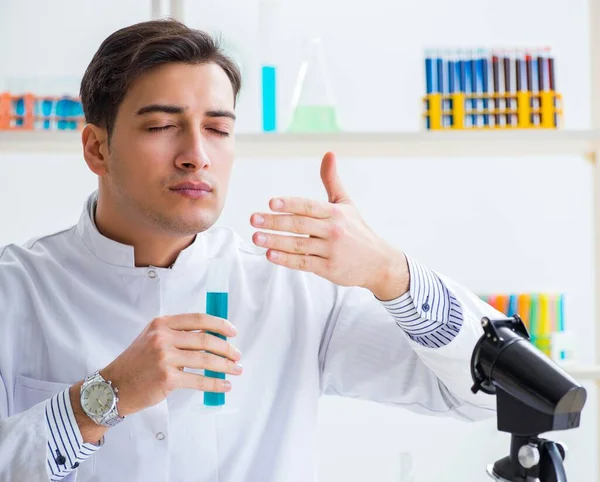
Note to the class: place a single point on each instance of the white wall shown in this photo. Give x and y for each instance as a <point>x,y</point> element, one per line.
<point>493,224</point>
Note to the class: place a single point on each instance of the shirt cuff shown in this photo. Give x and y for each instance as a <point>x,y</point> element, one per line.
<point>66,448</point>
<point>428,313</point>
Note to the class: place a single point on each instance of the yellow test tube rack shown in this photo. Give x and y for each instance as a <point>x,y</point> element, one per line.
<point>519,110</point>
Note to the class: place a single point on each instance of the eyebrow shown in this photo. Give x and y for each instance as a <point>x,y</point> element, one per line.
<point>220,113</point>
<point>167,109</point>
<point>176,109</point>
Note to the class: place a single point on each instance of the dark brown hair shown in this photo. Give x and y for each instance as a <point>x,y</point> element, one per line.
<point>128,53</point>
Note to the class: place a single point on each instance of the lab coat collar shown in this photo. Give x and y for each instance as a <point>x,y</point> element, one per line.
<point>118,254</point>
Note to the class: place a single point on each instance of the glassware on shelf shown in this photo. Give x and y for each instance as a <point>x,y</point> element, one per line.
<point>313,106</point>
<point>40,103</point>
<point>268,23</point>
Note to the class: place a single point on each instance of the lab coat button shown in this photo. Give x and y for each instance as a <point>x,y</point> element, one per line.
<point>160,436</point>
<point>152,273</point>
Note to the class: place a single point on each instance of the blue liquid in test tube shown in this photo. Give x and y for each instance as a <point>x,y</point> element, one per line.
<point>62,111</point>
<point>19,107</point>
<point>47,107</point>
<point>269,98</point>
<point>268,18</point>
<point>217,287</point>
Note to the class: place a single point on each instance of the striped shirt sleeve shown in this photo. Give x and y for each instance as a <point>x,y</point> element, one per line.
<point>428,313</point>
<point>66,448</point>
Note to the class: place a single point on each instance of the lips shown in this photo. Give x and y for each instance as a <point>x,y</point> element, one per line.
<point>193,190</point>
<point>192,186</point>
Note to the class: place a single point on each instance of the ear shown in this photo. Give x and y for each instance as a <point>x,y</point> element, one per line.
<point>95,148</point>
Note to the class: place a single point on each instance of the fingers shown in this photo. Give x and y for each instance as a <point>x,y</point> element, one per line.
<point>202,383</point>
<point>302,206</point>
<point>203,340</point>
<point>293,244</point>
<point>314,264</point>
<point>335,190</point>
<point>206,361</point>
<point>198,321</point>
<point>290,223</point>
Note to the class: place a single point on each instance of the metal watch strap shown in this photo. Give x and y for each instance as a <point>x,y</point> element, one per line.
<point>112,418</point>
<point>94,377</point>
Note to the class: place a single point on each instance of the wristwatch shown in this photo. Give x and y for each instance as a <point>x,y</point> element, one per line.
<point>99,400</point>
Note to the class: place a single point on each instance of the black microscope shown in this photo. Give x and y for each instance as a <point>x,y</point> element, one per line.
<point>534,395</point>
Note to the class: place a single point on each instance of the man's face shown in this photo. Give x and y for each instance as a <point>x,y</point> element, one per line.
<point>172,148</point>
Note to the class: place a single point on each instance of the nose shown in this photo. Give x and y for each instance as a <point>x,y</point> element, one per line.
<point>193,155</point>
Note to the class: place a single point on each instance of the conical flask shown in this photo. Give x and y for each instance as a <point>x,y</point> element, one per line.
<point>313,107</point>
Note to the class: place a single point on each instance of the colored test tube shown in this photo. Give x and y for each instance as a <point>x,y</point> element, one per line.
<point>534,317</point>
<point>451,76</point>
<point>429,83</point>
<point>468,70</point>
<point>535,90</point>
<point>441,84</point>
<point>439,72</point>
<point>560,319</point>
<point>62,112</point>
<point>542,70</point>
<point>545,324</point>
<point>513,305</point>
<point>542,78</point>
<point>532,86</point>
<point>269,95</point>
<point>560,312</point>
<point>461,73</point>
<point>552,82</point>
<point>475,103</point>
<point>496,87</point>
<point>508,62</point>
<point>268,17</point>
<point>553,315</point>
<point>47,108</point>
<point>481,67</point>
<point>529,81</point>
<point>19,110</point>
<point>217,303</point>
<point>502,303</point>
<point>524,304</point>
<point>521,80</point>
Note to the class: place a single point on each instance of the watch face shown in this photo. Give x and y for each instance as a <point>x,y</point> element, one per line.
<point>97,399</point>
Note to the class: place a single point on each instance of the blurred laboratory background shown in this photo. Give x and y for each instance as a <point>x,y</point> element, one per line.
<point>466,133</point>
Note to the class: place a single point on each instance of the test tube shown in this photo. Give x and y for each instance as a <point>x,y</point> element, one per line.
<point>268,18</point>
<point>217,293</point>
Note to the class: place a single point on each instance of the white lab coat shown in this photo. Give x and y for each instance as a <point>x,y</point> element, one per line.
<point>71,302</point>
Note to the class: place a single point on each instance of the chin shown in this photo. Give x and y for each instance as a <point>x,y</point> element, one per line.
<point>187,226</point>
<point>184,225</point>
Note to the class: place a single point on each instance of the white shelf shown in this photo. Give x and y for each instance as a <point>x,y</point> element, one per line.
<point>349,144</point>
<point>422,144</point>
<point>583,372</point>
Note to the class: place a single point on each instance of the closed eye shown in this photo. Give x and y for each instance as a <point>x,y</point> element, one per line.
<point>218,132</point>
<point>160,128</point>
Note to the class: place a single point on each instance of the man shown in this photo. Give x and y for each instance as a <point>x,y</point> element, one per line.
<point>114,307</point>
